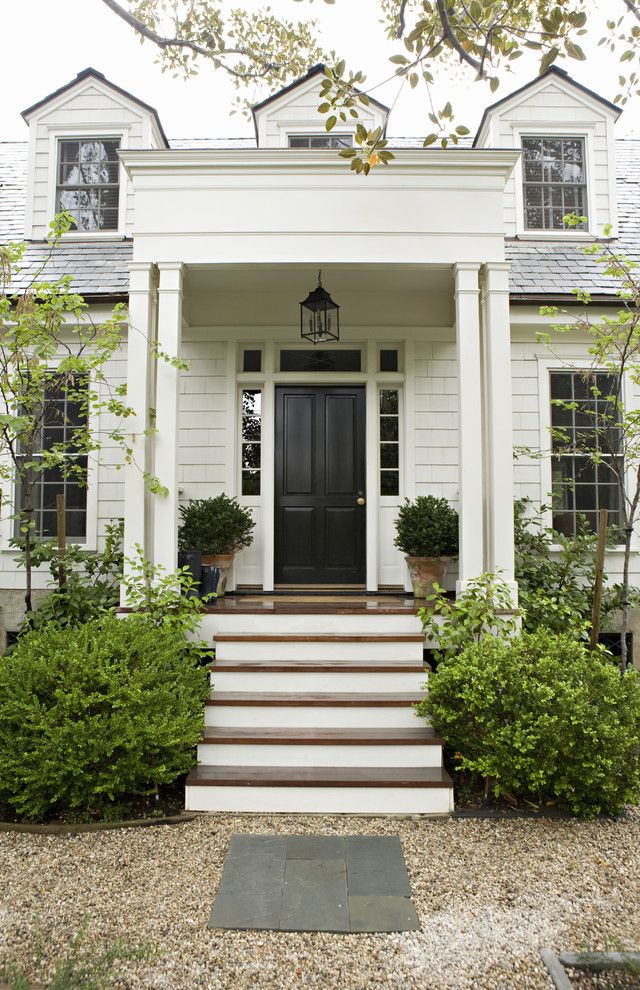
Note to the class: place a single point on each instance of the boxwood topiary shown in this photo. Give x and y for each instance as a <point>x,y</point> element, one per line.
<point>543,717</point>
<point>94,712</point>
<point>215,525</point>
<point>427,527</point>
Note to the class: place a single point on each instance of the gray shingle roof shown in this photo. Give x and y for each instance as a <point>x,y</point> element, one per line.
<point>549,267</point>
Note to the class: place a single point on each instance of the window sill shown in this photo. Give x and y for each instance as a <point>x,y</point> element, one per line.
<point>95,235</point>
<point>545,235</point>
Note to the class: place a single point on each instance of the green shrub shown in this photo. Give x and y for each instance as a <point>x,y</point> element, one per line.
<point>215,525</point>
<point>427,527</point>
<point>541,716</point>
<point>94,712</point>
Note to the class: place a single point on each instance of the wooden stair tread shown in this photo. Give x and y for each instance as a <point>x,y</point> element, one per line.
<point>320,666</point>
<point>226,776</point>
<point>319,638</point>
<point>420,736</point>
<point>289,699</point>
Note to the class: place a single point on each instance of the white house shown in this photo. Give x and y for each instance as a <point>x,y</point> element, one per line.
<point>439,264</point>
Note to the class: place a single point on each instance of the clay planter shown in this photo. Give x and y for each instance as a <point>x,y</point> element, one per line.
<point>425,571</point>
<point>223,562</point>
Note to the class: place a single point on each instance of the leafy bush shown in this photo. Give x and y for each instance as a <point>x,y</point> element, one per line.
<point>541,716</point>
<point>484,607</point>
<point>555,587</point>
<point>427,527</point>
<point>215,525</point>
<point>92,712</point>
<point>92,585</point>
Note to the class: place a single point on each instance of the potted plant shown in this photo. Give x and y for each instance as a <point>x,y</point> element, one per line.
<point>427,533</point>
<point>218,528</point>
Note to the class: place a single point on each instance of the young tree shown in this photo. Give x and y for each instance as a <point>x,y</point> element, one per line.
<point>58,407</point>
<point>608,433</point>
<point>485,37</point>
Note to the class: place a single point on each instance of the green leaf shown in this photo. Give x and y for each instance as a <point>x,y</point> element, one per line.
<point>548,59</point>
<point>430,139</point>
<point>331,123</point>
<point>461,129</point>
<point>574,51</point>
<point>494,82</point>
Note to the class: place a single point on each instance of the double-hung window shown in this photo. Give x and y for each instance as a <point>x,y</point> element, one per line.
<point>62,423</point>
<point>554,181</point>
<point>88,182</point>
<point>320,141</point>
<point>586,445</point>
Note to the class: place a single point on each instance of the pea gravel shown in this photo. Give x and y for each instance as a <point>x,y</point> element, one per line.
<point>488,893</point>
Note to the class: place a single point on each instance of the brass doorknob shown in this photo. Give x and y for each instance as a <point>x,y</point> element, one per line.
<point>361,500</point>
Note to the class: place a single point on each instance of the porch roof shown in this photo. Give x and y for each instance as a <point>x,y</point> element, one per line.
<point>538,268</point>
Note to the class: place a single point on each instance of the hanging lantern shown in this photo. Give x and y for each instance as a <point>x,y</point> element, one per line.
<point>319,316</point>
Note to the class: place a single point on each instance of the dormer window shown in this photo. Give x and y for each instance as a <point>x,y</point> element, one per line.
<point>88,183</point>
<point>554,181</point>
<point>320,141</point>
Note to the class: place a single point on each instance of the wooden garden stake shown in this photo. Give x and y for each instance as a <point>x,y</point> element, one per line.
<point>62,539</point>
<point>597,589</point>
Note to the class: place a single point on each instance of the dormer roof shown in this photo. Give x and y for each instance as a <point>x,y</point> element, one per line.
<point>91,73</point>
<point>551,72</point>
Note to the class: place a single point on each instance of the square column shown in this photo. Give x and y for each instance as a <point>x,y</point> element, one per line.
<point>165,527</point>
<point>499,459</point>
<point>470,467</point>
<point>140,334</point>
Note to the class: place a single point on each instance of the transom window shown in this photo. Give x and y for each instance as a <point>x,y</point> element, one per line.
<point>554,181</point>
<point>320,141</point>
<point>88,182</point>
<point>585,441</point>
<point>64,420</point>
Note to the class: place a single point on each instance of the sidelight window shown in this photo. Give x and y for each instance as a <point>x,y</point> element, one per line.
<point>389,417</point>
<point>251,441</point>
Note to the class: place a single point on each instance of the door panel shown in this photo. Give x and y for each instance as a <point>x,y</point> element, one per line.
<point>320,473</point>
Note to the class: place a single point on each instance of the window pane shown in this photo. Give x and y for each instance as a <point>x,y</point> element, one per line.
<point>389,483</point>
<point>250,482</point>
<point>553,181</point>
<point>389,401</point>
<point>315,360</point>
<point>88,183</point>
<point>251,446</point>
<point>389,428</point>
<point>252,361</point>
<point>388,360</point>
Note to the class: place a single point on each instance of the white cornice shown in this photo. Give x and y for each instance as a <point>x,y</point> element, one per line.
<point>416,161</point>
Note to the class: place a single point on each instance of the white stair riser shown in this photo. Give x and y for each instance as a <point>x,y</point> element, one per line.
<point>314,681</point>
<point>323,800</point>
<point>300,755</point>
<point>282,625</point>
<point>296,650</point>
<point>308,717</point>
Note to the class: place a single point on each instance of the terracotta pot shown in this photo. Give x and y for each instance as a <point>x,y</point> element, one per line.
<point>425,571</point>
<point>223,562</point>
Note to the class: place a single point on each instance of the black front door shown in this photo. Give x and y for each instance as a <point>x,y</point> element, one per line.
<point>320,475</point>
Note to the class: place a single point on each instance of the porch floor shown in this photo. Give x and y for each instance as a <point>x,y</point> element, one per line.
<point>315,604</point>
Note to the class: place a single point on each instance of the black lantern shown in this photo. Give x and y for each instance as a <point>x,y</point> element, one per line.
<point>319,316</point>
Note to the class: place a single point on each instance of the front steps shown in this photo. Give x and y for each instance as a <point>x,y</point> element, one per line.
<point>308,721</point>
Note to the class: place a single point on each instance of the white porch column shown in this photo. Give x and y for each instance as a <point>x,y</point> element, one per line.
<point>165,528</point>
<point>499,460</point>
<point>467,302</point>
<point>141,331</point>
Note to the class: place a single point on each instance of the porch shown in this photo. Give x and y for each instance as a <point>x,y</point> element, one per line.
<point>414,399</point>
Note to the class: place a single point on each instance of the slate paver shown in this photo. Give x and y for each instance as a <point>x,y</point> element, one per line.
<point>382,914</point>
<point>314,883</point>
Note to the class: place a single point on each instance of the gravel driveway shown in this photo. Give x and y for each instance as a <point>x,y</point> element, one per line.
<point>488,893</point>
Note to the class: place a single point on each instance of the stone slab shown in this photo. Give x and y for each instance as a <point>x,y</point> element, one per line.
<point>314,883</point>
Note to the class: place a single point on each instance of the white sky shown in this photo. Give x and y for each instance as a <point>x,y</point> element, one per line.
<point>46,42</point>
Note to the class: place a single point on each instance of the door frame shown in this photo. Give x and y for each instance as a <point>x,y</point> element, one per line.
<point>267,380</point>
<point>279,451</point>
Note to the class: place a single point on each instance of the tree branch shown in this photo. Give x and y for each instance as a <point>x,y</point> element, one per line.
<point>451,37</point>
<point>633,7</point>
<point>401,17</point>
<point>162,42</point>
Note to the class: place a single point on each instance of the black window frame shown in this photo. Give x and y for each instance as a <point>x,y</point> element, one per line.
<point>557,197</point>
<point>66,161</point>
<point>53,481</point>
<point>580,487</point>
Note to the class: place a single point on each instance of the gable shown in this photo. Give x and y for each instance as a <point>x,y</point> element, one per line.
<point>293,111</point>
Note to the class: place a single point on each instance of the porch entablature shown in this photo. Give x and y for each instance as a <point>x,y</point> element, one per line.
<point>285,206</point>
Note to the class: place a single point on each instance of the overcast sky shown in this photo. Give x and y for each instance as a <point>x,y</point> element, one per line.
<point>46,42</point>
